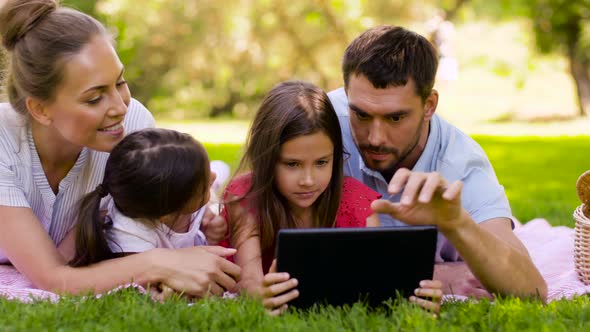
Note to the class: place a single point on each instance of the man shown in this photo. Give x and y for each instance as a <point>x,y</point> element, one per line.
<point>428,171</point>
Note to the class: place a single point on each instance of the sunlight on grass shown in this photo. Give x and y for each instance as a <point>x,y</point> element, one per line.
<point>539,174</point>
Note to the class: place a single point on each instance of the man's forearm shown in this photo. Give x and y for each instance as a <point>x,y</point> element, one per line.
<point>500,266</point>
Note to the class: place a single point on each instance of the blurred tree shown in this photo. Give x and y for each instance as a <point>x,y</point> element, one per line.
<point>451,8</point>
<point>209,58</point>
<point>562,26</point>
<point>86,6</point>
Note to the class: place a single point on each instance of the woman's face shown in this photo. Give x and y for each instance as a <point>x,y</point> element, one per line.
<point>90,104</point>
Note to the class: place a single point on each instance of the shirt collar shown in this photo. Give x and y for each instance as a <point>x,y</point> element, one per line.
<point>425,160</point>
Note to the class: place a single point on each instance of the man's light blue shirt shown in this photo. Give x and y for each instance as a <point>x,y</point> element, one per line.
<point>449,152</point>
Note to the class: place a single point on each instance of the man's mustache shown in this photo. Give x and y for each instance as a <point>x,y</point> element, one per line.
<point>377,149</point>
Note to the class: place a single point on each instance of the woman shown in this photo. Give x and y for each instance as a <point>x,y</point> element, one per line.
<point>69,106</point>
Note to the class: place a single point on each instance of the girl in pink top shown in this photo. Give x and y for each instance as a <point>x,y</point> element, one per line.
<point>294,158</point>
<point>159,181</point>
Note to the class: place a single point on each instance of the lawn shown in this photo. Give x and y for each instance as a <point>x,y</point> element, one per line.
<point>539,175</point>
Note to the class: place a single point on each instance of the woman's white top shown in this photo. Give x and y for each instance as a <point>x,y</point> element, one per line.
<point>23,182</point>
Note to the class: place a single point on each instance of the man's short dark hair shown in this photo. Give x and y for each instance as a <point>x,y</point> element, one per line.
<point>390,56</point>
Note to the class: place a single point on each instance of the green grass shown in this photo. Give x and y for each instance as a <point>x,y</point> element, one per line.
<point>129,310</point>
<point>539,175</point>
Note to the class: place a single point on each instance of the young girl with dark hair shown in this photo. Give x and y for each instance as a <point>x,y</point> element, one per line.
<point>293,179</point>
<point>159,181</point>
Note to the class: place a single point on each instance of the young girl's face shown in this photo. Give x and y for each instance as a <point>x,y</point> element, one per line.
<point>304,169</point>
<point>199,199</point>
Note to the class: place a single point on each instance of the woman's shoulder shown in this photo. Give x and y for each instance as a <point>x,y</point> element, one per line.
<point>138,117</point>
<point>13,130</point>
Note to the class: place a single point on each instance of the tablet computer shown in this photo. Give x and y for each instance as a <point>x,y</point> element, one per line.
<point>340,266</point>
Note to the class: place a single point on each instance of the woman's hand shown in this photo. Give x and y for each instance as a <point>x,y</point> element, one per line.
<point>428,295</point>
<point>214,227</point>
<point>277,290</point>
<point>198,271</point>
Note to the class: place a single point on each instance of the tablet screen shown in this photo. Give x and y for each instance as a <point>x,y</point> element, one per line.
<point>345,265</point>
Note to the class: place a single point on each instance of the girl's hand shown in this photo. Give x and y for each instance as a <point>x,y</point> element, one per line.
<point>161,293</point>
<point>373,220</point>
<point>214,227</point>
<point>428,295</point>
<point>277,289</point>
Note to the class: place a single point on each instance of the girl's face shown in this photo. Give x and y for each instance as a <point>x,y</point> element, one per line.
<point>304,169</point>
<point>199,199</point>
<point>90,104</point>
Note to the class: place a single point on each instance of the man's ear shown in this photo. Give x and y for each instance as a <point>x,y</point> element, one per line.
<point>38,111</point>
<point>430,105</point>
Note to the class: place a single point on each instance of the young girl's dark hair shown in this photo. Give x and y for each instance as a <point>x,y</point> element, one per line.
<point>149,174</point>
<point>291,109</point>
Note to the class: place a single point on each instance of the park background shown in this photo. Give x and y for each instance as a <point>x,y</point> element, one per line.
<point>522,91</point>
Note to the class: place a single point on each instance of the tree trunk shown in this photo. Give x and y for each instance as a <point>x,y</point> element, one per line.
<point>579,70</point>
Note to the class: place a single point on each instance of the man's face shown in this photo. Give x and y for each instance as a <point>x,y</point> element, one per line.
<point>389,126</point>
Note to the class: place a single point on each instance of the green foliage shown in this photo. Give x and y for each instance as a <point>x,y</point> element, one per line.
<point>188,59</point>
<point>195,59</point>
<point>128,310</point>
<point>558,23</point>
<point>86,6</point>
<point>499,9</point>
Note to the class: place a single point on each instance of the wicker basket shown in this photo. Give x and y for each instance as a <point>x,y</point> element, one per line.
<point>582,244</point>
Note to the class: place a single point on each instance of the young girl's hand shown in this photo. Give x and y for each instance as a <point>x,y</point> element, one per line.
<point>277,290</point>
<point>214,227</point>
<point>428,295</point>
<point>161,293</point>
<point>373,220</point>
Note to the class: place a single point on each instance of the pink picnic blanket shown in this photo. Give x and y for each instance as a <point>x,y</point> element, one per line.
<point>552,251</point>
<point>551,248</point>
<point>14,285</point>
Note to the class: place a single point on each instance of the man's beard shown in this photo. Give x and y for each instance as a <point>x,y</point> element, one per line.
<point>390,169</point>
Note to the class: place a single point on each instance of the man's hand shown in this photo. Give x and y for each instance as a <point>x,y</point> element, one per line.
<point>457,279</point>
<point>427,199</point>
<point>214,227</point>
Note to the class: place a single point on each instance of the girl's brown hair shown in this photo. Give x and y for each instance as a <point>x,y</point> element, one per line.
<point>291,109</point>
<point>40,36</point>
